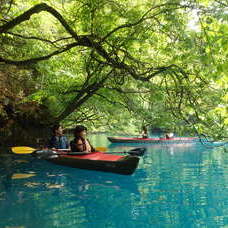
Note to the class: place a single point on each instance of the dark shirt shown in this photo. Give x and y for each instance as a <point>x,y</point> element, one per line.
<point>77,147</point>
<point>59,142</point>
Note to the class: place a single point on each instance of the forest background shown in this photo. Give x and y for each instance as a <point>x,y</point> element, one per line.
<point>114,65</point>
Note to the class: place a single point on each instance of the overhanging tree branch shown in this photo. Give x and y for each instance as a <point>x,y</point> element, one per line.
<point>119,90</point>
<point>33,38</point>
<point>37,9</point>
<point>40,39</point>
<point>82,96</point>
<point>143,18</point>
<point>84,40</point>
<point>112,59</point>
<point>35,60</point>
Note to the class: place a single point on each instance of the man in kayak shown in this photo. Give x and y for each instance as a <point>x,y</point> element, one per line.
<point>80,143</point>
<point>144,132</point>
<point>58,139</point>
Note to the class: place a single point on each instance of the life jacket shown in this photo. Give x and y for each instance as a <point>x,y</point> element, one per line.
<point>80,144</point>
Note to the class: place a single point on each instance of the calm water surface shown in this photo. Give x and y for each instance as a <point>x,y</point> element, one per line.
<point>179,185</point>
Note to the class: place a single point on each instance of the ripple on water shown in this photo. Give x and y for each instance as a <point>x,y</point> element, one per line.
<point>174,186</point>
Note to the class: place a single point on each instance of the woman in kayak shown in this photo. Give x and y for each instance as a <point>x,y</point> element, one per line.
<point>80,143</point>
<point>58,139</point>
<point>169,135</point>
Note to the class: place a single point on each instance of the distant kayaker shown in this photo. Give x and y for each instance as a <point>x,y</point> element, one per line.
<point>58,139</point>
<point>80,143</point>
<point>144,132</point>
<point>169,135</point>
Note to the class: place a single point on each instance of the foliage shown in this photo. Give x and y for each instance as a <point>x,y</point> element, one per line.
<point>120,64</point>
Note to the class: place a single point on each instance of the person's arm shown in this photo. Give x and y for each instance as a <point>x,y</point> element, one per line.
<point>52,142</point>
<point>92,148</point>
<point>76,147</point>
<point>67,143</point>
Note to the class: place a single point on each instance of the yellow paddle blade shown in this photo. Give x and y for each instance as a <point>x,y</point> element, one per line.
<point>22,150</point>
<point>101,149</point>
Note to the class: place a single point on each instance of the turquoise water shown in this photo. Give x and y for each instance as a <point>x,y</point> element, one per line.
<point>179,185</point>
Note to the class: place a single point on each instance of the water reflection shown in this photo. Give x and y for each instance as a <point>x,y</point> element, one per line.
<point>56,196</point>
<point>179,185</point>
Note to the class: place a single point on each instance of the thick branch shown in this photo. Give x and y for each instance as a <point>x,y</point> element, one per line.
<point>85,41</point>
<point>76,103</point>
<point>119,90</point>
<point>37,9</point>
<point>82,97</point>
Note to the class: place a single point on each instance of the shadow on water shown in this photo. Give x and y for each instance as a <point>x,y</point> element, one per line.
<point>12,163</point>
<point>38,190</point>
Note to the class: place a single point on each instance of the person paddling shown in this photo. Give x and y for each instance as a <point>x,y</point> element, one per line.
<point>58,139</point>
<point>169,135</point>
<point>80,143</point>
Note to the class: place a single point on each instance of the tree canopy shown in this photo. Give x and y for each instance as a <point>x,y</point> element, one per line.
<point>115,64</point>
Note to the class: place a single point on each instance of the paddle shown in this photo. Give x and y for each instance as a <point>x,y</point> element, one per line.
<point>30,150</point>
<point>139,151</point>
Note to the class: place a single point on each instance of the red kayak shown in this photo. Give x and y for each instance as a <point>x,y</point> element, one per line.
<point>99,161</point>
<point>153,140</point>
